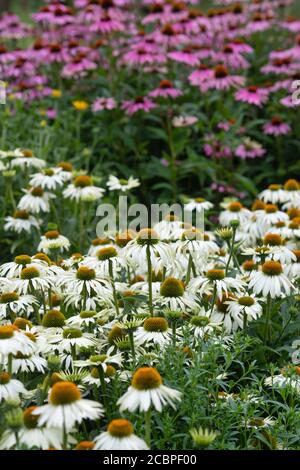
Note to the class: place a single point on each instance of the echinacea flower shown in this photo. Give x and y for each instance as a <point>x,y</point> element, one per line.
<point>66,407</point>
<point>33,435</point>
<point>35,200</point>
<point>270,280</point>
<point>147,390</point>
<point>155,330</point>
<point>53,241</point>
<point>141,103</point>
<point>119,436</point>
<point>276,127</point>
<point>21,221</point>
<point>82,189</point>
<point>252,95</point>
<point>10,388</point>
<point>122,185</point>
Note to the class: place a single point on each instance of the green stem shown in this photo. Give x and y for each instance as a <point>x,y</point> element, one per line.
<point>111,275</point>
<point>148,427</point>
<point>213,300</point>
<point>131,338</point>
<point>149,264</point>
<point>9,363</point>
<point>174,333</point>
<point>231,251</point>
<point>189,269</point>
<point>103,388</point>
<point>268,317</point>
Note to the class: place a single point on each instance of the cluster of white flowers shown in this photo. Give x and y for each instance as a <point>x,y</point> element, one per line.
<point>96,315</point>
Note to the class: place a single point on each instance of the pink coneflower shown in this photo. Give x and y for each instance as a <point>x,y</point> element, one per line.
<point>258,23</point>
<point>289,102</point>
<point>20,69</point>
<point>249,149</point>
<point>240,46</point>
<point>6,55</point>
<point>292,24</point>
<point>106,25</point>
<point>222,80</point>
<point>101,104</point>
<point>276,127</point>
<point>165,90</point>
<point>144,54</point>
<point>201,75</point>
<point>280,66</point>
<point>186,56</point>
<point>252,95</point>
<point>231,58</point>
<point>56,53</point>
<point>79,66</point>
<point>55,14</point>
<point>169,35</point>
<point>215,148</point>
<point>155,14</point>
<point>141,103</point>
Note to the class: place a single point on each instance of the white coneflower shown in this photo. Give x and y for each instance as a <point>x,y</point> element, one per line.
<point>203,325</point>
<point>242,310</point>
<point>106,259</point>
<point>174,295</point>
<point>269,216</point>
<point>28,363</point>
<point>66,170</point>
<point>35,200</point>
<point>49,178</point>
<point>12,341</point>
<point>274,194</point>
<point>119,436</point>
<point>33,436</point>
<point>84,281</point>
<point>66,407</point>
<point>292,194</point>
<point>13,303</point>
<point>215,280</point>
<point>291,270</point>
<point>33,278</point>
<point>270,280</point>
<point>170,228</point>
<point>93,302</point>
<point>259,423</point>
<point>155,330</point>
<point>53,241</point>
<point>100,360</point>
<point>199,204</point>
<point>26,159</point>
<point>123,185</point>
<point>21,221</point>
<point>278,252</point>
<point>97,244</point>
<point>72,338</point>
<point>85,318</point>
<point>147,238</point>
<point>14,268</point>
<point>234,211</point>
<point>147,390</point>
<point>195,242</point>
<point>289,378</point>
<point>10,388</point>
<point>82,189</point>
